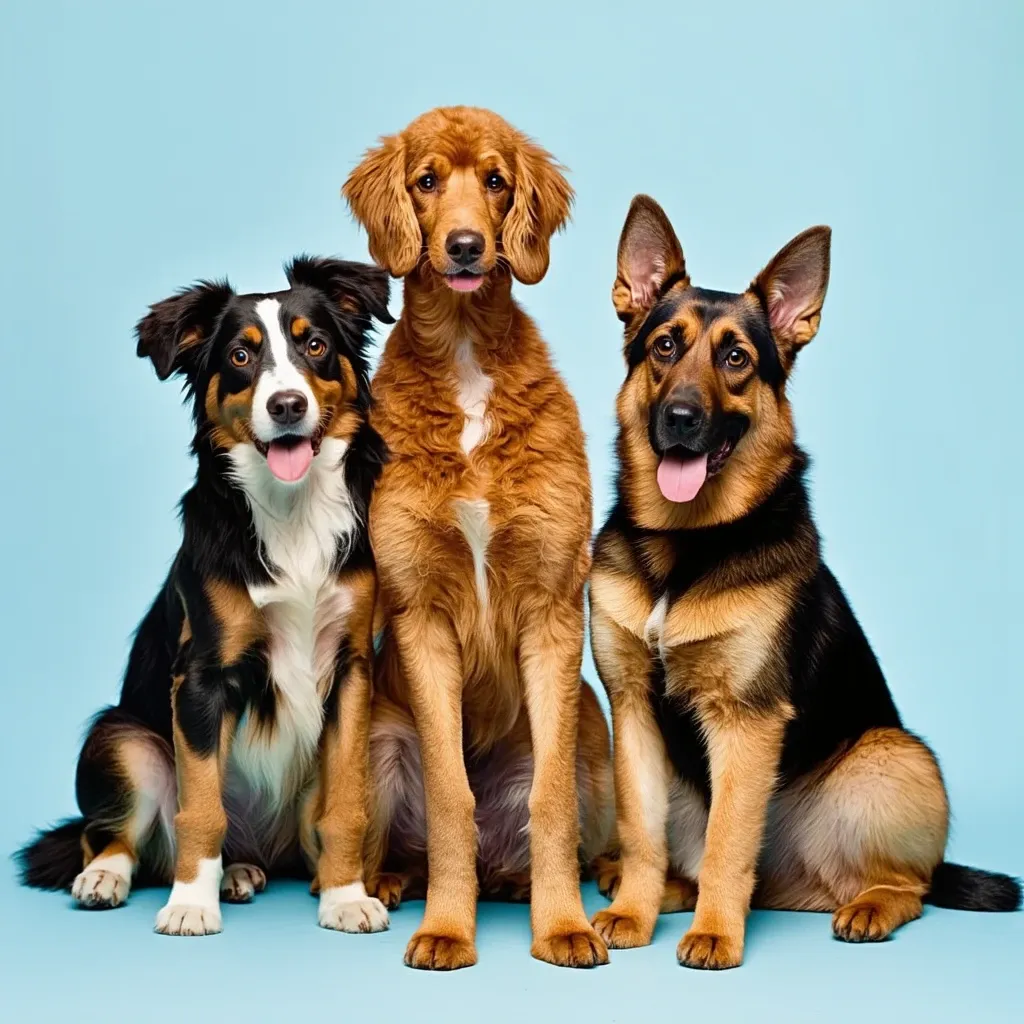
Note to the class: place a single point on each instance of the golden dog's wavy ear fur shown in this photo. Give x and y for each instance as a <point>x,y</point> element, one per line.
<point>540,206</point>
<point>378,198</point>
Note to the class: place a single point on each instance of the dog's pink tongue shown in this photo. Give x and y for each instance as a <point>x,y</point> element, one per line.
<point>290,462</point>
<point>464,282</point>
<point>681,479</point>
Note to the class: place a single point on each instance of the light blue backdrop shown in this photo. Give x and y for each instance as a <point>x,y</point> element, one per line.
<point>144,145</point>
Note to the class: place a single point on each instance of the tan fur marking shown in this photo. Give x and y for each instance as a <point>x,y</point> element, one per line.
<point>625,600</point>
<point>231,419</point>
<point>299,326</point>
<point>119,845</point>
<point>200,824</point>
<point>641,786</point>
<point>344,765</point>
<point>252,334</point>
<point>743,752</point>
<point>240,621</point>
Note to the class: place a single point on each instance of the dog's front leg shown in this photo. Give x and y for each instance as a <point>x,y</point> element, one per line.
<point>203,731</point>
<point>432,665</point>
<point>744,747</point>
<point>344,778</point>
<point>551,652</point>
<point>641,783</point>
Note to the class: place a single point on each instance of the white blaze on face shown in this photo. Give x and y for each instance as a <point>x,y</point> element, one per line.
<point>279,373</point>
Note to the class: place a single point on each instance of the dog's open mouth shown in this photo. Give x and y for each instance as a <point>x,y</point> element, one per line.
<point>464,280</point>
<point>682,473</point>
<point>289,457</point>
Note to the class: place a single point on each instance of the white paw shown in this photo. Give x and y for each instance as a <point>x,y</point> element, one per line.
<point>241,882</point>
<point>347,908</point>
<point>99,889</point>
<point>182,919</point>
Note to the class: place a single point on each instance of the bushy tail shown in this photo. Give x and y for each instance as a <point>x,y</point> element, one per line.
<point>958,888</point>
<point>54,858</point>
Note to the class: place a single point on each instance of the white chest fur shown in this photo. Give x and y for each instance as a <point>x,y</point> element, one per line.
<point>474,521</point>
<point>654,628</point>
<point>473,389</point>
<point>305,608</point>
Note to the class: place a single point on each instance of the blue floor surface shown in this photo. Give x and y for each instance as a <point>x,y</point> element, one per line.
<point>273,963</point>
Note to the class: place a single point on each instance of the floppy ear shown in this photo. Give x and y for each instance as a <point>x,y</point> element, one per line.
<point>792,287</point>
<point>650,256</point>
<point>356,288</point>
<point>541,203</point>
<point>171,333</point>
<point>379,200</point>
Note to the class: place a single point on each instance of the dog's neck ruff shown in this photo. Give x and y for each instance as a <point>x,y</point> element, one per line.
<point>299,527</point>
<point>437,319</point>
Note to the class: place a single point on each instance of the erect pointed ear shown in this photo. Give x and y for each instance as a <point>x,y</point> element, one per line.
<point>541,203</point>
<point>356,288</point>
<point>792,287</point>
<point>379,200</point>
<point>174,329</point>
<point>650,256</point>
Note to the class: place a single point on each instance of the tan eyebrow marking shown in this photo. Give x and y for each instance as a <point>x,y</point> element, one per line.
<point>253,334</point>
<point>299,326</point>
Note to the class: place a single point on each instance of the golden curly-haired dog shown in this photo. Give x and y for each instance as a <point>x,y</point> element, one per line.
<point>480,526</point>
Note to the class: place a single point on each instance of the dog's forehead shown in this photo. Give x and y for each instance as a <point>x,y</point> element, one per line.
<point>707,306</point>
<point>709,311</point>
<point>461,141</point>
<point>283,305</point>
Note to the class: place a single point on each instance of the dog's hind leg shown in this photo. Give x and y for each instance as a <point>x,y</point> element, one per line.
<point>126,790</point>
<point>680,893</point>
<point>862,840</point>
<point>396,838</point>
<point>241,882</point>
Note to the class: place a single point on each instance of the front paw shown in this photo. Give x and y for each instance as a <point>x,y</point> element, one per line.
<point>183,919</point>
<point>710,952</point>
<point>428,951</point>
<point>572,947</point>
<point>622,931</point>
<point>344,910</point>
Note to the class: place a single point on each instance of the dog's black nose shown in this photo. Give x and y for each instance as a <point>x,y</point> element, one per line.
<point>464,247</point>
<point>287,407</point>
<point>683,419</point>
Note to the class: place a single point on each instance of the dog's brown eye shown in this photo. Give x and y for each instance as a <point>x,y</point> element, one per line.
<point>737,358</point>
<point>427,183</point>
<point>240,357</point>
<point>494,181</point>
<point>665,346</point>
<point>315,348</point>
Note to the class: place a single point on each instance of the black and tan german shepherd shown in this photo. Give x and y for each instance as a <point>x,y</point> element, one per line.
<point>758,753</point>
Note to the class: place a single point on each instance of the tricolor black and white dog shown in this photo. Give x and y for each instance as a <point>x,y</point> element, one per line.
<point>242,729</point>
